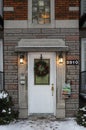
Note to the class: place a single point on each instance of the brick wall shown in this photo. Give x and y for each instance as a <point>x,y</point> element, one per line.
<point>62,9</point>
<point>20,9</point>
<point>11,70</point>
<point>72,74</point>
<point>71,37</point>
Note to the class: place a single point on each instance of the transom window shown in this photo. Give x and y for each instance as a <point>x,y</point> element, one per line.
<point>41,11</point>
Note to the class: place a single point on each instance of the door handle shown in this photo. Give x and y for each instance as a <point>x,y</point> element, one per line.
<point>52,89</point>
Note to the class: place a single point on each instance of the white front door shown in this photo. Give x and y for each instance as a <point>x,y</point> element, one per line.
<point>41,96</point>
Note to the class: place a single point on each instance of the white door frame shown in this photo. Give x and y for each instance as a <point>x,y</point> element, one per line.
<point>54,70</point>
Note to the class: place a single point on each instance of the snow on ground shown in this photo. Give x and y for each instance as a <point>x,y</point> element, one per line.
<point>43,124</point>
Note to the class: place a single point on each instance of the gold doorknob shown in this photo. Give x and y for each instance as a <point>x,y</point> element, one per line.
<point>52,89</point>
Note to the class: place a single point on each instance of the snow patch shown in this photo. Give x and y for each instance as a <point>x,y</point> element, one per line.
<point>3,111</point>
<point>3,94</point>
<point>83,109</point>
<point>43,124</point>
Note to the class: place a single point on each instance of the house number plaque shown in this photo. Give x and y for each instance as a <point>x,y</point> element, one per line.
<point>72,62</point>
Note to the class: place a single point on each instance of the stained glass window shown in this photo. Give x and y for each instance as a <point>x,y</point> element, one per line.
<point>40,11</point>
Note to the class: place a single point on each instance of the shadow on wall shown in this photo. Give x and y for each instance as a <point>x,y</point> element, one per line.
<point>1,22</point>
<point>82,101</point>
<point>82,20</point>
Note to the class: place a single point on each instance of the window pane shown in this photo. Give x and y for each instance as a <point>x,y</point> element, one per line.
<point>43,79</point>
<point>47,20</point>
<point>34,9</point>
<point>41,11</point>
<point>47,9</point>
<point>47,2</point>
<point>41,21</point>
<point>35,21</point>
<point>41,3</point>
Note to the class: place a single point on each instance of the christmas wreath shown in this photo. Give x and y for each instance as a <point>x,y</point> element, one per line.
<point>41,68</point>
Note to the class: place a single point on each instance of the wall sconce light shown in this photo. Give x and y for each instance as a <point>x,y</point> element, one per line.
<point>60,58</point>
<point>21,58</point>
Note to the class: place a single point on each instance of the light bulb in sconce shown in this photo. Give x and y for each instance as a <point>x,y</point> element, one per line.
<point>21,58</point>
<point>60,58</point>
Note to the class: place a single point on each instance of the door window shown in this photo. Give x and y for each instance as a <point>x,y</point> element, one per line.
<point>42,72</point>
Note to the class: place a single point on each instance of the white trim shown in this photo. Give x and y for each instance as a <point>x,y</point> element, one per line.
<point>55,96</point>
<point>67,23</point>
<point>1,55</point>
<point>8,8</point>
<point>61,69</point>
<point>57,24</point>
<point>43,46</point>
<point>33,45</point>
<point>83,57</point>
<point>71,8</point>
<point>41,42</point>
<point>15,23</point>
<point>51,25</point>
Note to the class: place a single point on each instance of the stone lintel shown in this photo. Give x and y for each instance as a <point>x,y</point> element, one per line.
<point>42,49</point>
<point>47,45</point>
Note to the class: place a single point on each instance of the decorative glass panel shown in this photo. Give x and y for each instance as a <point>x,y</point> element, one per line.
<point>34,9</point>
<point>41,3</point>
<point>47,21</point>
<point>42,72</point>
<point>41,21</point>
<point>41,11</point>
<point>47,9</point>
